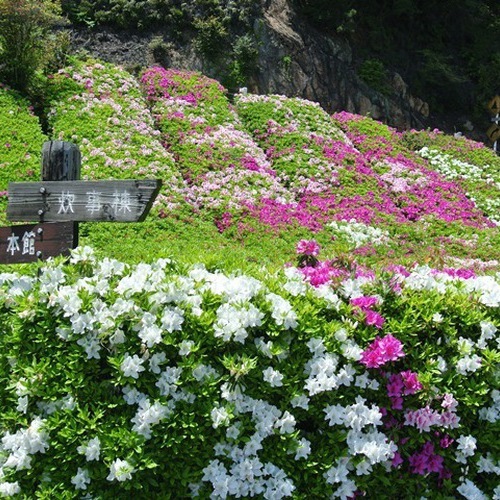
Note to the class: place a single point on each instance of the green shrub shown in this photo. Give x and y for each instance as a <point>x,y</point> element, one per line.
<point>374,73</point>
<point>21,141</point>
<point>24,37</point>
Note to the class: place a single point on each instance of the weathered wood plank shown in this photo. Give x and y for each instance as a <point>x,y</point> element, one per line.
<point>80,201</point>
<point>28,243</point>
<point>61,161</point>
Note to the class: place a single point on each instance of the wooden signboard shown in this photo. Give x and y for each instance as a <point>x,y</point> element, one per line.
<point>494,105</point>
<point>493,133</point>
<point>28,243</point>
<point>82,201</point>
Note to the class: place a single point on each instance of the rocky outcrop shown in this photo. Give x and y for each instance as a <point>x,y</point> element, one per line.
<point>294,60</point>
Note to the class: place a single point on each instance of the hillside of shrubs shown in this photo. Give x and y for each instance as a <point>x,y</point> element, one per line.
<point>310,310</point>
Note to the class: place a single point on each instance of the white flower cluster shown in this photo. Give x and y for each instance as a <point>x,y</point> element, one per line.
<point>149,414</point>
<point>492,414</point>
<point>233,320</point>
<point>81,479</point>
<point>22,444</point>
<point>296,283</point>
<point>91,450</point>
<point>120,470</point>
<point>323,371</point>
<point>359,234</point>
<point>273,377</point>
<point>488,465</point>
<point>374,445</point>
<point>425,278</point>
<point>339,474</point>
<point>468,364</point>
<point>466,448</point>
<point>248,476</point>
<point>451,168</point>
<point>233,289</point>
<point>282,311</point>
<point>356,416</point>
<point>470,491</point>
<point>220,416</point>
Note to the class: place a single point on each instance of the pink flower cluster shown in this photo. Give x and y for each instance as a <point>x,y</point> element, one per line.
<point>308,247</point>
<point>402,384</point>
<point>323,272</point>
<point>381,351</point>
<point>192,87</point>
<point>425,418</point>
<point>364,305</point>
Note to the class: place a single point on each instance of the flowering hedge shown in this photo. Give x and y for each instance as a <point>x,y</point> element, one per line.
<point>224,169</point>
<point>100,107</point>
<point>146,380</point>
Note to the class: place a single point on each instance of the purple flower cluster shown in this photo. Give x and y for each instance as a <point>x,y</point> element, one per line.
<point>402,384</point>
<point>426,461</point>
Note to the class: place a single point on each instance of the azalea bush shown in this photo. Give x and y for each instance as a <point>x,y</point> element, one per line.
<point>157,380</point>
<point>223,167</point>
<point>101,108</point>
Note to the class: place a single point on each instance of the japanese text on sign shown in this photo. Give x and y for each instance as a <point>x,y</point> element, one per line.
<point>27,241</point>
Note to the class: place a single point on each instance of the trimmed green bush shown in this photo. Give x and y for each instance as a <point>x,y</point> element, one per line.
<point>21,141</point>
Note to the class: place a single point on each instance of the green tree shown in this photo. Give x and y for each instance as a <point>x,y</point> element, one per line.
<point>25,27</point>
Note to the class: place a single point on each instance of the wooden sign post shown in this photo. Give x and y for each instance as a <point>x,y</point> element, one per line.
<point>493,132</point>
<point>61,200</point>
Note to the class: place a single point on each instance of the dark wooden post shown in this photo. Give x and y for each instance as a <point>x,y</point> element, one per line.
<point>61,161</point>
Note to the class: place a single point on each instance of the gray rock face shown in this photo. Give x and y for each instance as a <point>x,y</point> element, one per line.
<point>294,60</point>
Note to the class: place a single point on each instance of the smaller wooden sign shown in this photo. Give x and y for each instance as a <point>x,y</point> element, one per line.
<point>28,243</point>
<point>81,201</point>
<point>494,105</point>
<point>493,133</point>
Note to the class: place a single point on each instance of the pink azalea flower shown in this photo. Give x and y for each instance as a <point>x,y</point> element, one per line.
<point>373,318</point>
<point>411,382</point>
<point>446,441</point>
<point>381,351</point>
<point>308,247</point>
<point>364,302</point>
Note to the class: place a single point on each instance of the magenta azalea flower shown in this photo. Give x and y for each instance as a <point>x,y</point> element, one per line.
<point>308,247</point>
<point>364,302</point>
<point>373,318</point>
<point>381,351</point>
<point>411,382</point>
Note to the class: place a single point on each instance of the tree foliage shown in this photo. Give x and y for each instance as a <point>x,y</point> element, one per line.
<point>24,35</point>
